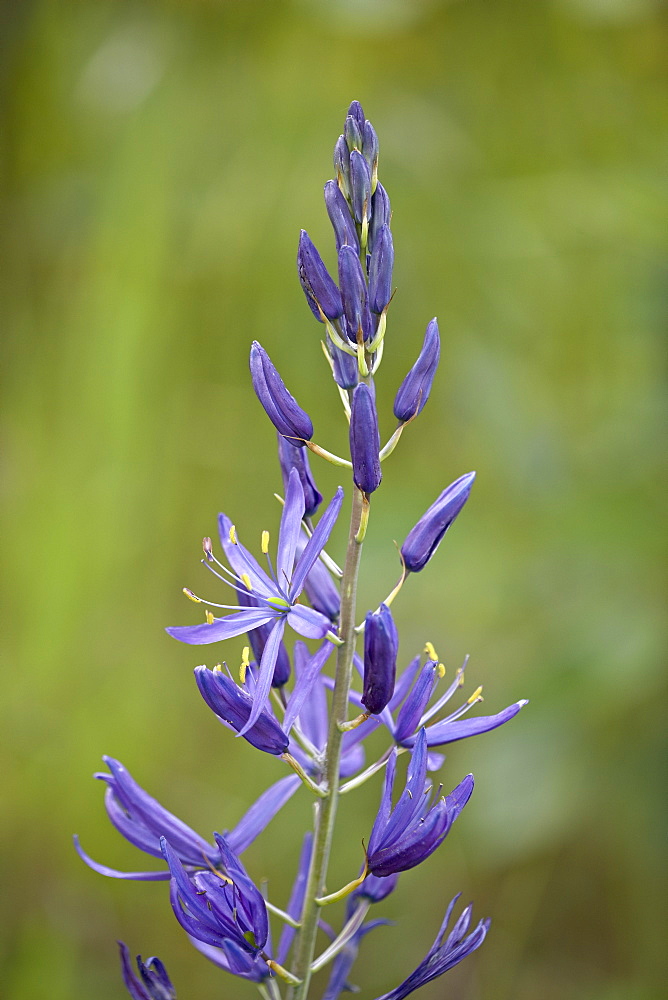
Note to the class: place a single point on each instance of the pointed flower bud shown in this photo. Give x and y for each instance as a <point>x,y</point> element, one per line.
<point>231,704</point>
<point>352,131</point>
<point>319,288</point>
<point>357,112</point>
<point>280,406</point>
<point>345,232</point>
<point>381,213</point>
<point>297,458</point>
<point>365,440</point>
<point>370,145</point>
<point>342,165</point>
<point>381,644</point>
<point>414,391</point>
<point>360,183</point>
<point>344,366</point>
<point>380,271</point>
<point>423,540</point>
<point>354,294</point>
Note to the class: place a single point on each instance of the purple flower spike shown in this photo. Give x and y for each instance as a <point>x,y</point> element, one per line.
<point>231,704</point>
<point>405,836</point>
<point>354,294</point>
<point>319,287</point>
<point>414,391</point>
<point>360,183</point>
<point>444,953</point>
<point>154,983</point>
<point>380,271</point>
<point>280,406</point>
<point>345,231</point>
<point>365,440</point>
<point>381,213</point>
<point>381,643</point>
<point>423,540</point>
<point>290,458</point>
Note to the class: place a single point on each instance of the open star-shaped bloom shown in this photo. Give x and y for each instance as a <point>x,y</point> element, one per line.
<point>275,593</point>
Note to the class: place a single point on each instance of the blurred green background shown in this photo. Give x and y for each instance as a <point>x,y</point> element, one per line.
<point>159,161</point>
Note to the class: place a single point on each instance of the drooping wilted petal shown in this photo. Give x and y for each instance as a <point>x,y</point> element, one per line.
<point>381,643</point>
<point>365,440</point>
<point>414,391</point>
<point>290,458</point>
<point>234,707</point>
<point>423,540</point>
<point>154,983</point>
<point>319,287</point>
<point>443,955</point>
<point>280,406</point>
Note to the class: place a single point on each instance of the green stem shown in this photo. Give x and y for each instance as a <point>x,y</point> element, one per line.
<point>326,808</point>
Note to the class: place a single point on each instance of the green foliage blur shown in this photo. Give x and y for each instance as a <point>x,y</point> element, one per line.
<point>159,161</point>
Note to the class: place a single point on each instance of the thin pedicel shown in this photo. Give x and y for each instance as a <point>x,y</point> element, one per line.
<point>286,700</point>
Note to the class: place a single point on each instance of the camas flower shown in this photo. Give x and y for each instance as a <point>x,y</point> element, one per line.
<point>405,836</point>
<point>225,911</point>
<point>276,593</point>
<point>423,539</point>
<point>154,983</point>
<point>443,954</point>
<point>143,821</point>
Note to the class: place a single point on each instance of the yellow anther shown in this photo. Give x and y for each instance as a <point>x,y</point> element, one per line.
<point>245,663</point>
<point>475,696</point>
<point>209,617</point>
<point>246,581</point>
<point>430,651</point>
<point>218,669</point>
<point>441,670</point>
<point>193,597</point>
<point>233,535</point>
<point>265,542</point>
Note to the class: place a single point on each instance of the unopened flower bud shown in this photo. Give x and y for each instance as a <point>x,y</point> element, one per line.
<point>380,271</point>
<point>365,440</point>
<point>423,540</point>
<point>319,287</point>
<point>360,184</point>
<point>354,294</point>
<point>344,366</point>
<point>297,458</point>
<point>370,147</point>
<point>280,406</point>
<point>352,131</point>
<point>357,112</point>
<point>381,213</point>
<point>342,165</point>
<point>414,391</point>
<point>345,231</point>
<point>381,644</point>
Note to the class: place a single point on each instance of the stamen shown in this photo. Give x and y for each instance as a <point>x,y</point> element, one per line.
<point>476,696</point>
<point>233,535</point>
<point>193,597</point>
<point>441,670</point>
<point>430,651</point>
<point>208,548</point>
<point>245,663</point>
<point>246,581</point>
<point>209,617</point>
<point>265,542</point>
